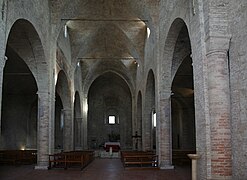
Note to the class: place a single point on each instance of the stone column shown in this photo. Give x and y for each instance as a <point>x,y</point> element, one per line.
<point>68,130</point>
<point>219,108</point>
<point>164,130</point>
<point>2,65</point>
<point>43,130</point>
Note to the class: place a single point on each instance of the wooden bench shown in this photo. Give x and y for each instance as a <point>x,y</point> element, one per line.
<point>139,159</point>
<point>18,157</point>
<point>71,159</point>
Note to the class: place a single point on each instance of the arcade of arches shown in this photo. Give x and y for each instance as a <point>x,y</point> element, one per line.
<point>75,74</point>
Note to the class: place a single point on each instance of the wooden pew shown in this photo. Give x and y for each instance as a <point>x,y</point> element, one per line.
<point>57,160</point>
<point>71,159</point>
<point>139,159</point>
<point>8,157</point>
<point>18,157</point>
<point>28,156</point>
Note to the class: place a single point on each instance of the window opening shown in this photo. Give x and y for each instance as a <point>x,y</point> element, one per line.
<point>154,116</point>
<point>112,120</point>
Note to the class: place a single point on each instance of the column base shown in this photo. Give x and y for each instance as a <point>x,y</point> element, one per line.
<point>41,167</point>
<point>166,165</point>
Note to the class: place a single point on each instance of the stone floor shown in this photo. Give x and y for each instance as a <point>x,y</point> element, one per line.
<point>99,169</point>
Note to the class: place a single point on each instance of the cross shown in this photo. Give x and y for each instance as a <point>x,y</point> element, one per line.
<point>136,136</point>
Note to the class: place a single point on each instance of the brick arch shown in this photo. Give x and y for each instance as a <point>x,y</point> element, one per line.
<point>78,78</point>
<point>103,68</point>
<point>182,49</point>
<point>182,87</point>
<point>64,92</point>
<point>25,41</point>
<point>168,67</point>
<point>63,89</point>
<point>168,52</point>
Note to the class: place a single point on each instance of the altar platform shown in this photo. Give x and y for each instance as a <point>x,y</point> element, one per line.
<point>105,154</point>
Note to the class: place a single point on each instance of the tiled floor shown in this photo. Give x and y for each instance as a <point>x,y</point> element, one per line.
<point>99,169</point>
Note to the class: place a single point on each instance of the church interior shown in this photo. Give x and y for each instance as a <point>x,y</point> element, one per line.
<point>146,81</point>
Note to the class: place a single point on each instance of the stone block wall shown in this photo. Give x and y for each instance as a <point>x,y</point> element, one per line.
<point>238,86</point>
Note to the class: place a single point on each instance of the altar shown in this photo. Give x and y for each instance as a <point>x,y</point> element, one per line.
<point>114,145</point>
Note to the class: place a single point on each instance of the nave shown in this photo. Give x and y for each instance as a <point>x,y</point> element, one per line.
<point>99,169</point>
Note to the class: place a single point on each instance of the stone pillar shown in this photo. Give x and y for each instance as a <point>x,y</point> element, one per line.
<point>43,131</point>
<point>52,123</point>
<point>219,108</point>
<point>2,65</point>
<point>164,131</point>
<point>146,133</point>
<point>68,130</point>
<point>78,133</point>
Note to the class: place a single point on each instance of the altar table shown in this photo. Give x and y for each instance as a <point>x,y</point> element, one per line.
<point>114,145</point>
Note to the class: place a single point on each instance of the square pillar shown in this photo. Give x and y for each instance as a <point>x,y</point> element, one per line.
<point>164,132</point>
<point>68,130</point>
<point>43,131</point>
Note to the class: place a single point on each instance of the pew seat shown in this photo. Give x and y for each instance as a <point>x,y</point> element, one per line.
<point>139,159</point>
<point>70,159</point>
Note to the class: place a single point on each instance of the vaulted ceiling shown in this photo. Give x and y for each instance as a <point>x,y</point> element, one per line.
<point>106,29</point>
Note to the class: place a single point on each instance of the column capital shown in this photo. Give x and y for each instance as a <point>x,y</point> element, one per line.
<point>218,44</point>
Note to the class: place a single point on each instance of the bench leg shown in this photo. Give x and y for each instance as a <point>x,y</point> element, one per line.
<point>49,167</point>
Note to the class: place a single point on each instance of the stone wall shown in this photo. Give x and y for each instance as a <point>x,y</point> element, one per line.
<point>109,95</point>
<point>238,86</point>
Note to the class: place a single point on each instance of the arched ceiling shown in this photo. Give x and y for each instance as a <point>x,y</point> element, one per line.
<point>106,29</point>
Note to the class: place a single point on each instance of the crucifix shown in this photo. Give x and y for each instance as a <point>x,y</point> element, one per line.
<point>136,136</point>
